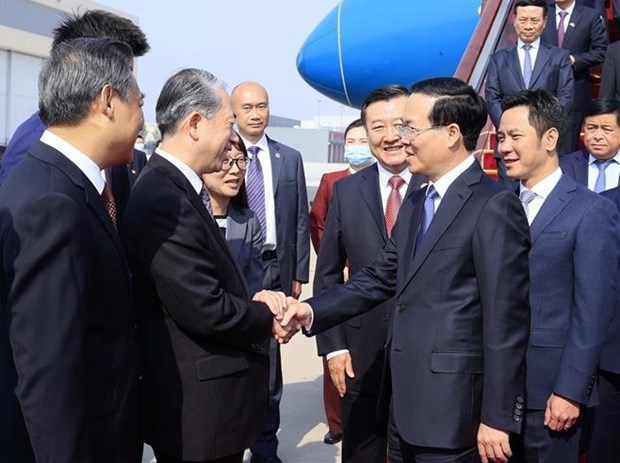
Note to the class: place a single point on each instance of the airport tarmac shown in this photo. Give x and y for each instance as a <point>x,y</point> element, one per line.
<point>303,422</point>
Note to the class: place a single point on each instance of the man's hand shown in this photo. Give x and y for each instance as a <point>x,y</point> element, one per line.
<point>296,289</point>
<point>283,334</point>
<point>338,366</point>
<point>276,301</point>
<point>300,312</point>
<point>561,413</point>
<point>493,445</point>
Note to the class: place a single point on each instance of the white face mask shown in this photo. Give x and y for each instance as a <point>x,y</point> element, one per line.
<point>139,146</point>
<point>357,155</point>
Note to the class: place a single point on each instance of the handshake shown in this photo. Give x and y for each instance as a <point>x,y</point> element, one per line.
<point>289,315</point>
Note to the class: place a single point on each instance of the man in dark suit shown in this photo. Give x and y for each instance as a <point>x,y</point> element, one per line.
<point>598,166</point>
<point>575,230</point>
<point>69,378</point>
<point>277,193</point>
<point>204,343</point>
<point>581,31</point>
<point>358,225</point>
<point>457,262</point>
<point>358,155</point>
<point>528,64</point>
<point>92,23</point>
<point>605,433</point>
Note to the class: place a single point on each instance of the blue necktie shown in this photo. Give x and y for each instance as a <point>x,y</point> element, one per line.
<point>256,188</point>
<point>526,197</point>
<point>427,214</point>
<point>601,180</point>
<point>527,66</point>
<point>204,197</point>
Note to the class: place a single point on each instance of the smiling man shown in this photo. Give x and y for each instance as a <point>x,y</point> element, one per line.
<point>573,263</point>
<point>598,166</point>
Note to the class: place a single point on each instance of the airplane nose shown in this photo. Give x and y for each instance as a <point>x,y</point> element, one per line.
<point>364,44</point>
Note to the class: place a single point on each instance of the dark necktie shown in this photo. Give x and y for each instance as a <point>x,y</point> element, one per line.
<point>527,66</point>
<point>110,204</point>
<point>204,197</point>
<point>601,179</point>
<point>563,15</point>
<point>256,188</point>
<point>393,203</point>
<point>427,214</point>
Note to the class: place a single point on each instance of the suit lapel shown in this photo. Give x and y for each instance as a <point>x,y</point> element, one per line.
<point>451,204</point>
<point>544,53</point>
<point>555,203</point>
<point>235,232</point>
<point>276,162</point>
<point>570,30</point>
<point>581,167</point>
<point>552,35</point>
<point>515,67</point>
<point>370,192</point>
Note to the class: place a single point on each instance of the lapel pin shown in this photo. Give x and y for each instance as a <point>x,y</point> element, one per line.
<point>277,154</point>
<point>572,24</point>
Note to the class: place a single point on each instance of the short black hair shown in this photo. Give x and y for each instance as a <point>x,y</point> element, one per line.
<point>544,110</point>
<point>456,103</point>
<point>604,106</point>
<point>241,198</point>
<point>353,125</point>
<point>99,23</point>
<point>385,93</point>
<point>539,3</point>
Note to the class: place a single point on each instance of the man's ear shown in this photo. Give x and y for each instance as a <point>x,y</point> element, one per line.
<point>105,104</point>
<point>550,139</point>
<point>193,121</point>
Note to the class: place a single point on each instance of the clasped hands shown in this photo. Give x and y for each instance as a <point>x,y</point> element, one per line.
<point>289,315</point>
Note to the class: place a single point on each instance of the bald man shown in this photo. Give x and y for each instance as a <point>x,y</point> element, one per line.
<point>277,193</point>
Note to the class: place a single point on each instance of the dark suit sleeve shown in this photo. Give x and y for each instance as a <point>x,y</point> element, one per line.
<point>49,298</point>
<point>594,262</point>
<point>598,46</point>
<point>172,236</point>
<point>329,272</point>
<point>493,92</point>
<point>318,213</point>
<point>608,79</point>
<point>500,248</point>
<point>302,241</point>
<point>566,83</point>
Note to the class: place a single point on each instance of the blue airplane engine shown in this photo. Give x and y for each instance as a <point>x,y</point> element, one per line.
<point>364,44</point>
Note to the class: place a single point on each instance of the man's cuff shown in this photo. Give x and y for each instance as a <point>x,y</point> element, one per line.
<point>336,353</point>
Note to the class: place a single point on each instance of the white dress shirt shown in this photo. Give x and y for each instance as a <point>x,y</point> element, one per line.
<point>533,53</point>
<point>542,189</point>
<point>612,173</point>
<point>569,10</point>
<point>447,179</point>
<point>191,176</point>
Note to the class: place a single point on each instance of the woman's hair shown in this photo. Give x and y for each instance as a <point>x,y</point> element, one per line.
<point>240,201</point>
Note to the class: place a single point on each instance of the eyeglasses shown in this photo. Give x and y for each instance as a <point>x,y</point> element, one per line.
<point>242,163</point>
<point>412,133</point>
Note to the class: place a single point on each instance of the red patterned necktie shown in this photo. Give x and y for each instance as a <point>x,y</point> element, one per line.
<point>393,203</point>
<point>110,204</point>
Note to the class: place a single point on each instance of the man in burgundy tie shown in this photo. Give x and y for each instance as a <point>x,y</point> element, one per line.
<point>69,379</point>
<point>362,213</point>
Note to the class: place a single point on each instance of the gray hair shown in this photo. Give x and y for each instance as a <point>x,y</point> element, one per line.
<point>187,91</point>
<point>75,73</point>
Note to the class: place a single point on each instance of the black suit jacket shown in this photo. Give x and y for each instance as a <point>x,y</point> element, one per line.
<point>203,341</point>
<point>610,78</point>
<point>610,353</point>
<point>552,71</point>
<point>68,350</point>
<point>586,40</point>
<point>461,319</point>
<point>355,233</point>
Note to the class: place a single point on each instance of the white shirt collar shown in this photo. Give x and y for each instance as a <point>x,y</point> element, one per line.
<point>191,176</point>
<point>444,182</point>
<point>385,175</point>
<point>82,161</point>
<point>544,188</point>
<point>535,44</point>
<point>261,143</point>
<point>569,10</point>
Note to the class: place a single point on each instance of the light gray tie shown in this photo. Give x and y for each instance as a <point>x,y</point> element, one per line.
<point>527,66</point>
<point>527,196</point>
<point>601,179</point>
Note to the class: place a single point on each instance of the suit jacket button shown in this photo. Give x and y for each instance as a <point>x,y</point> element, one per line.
<point>518,412</point>
<point>520,400</point>
<point>518,406</point>
<point>516,417</point>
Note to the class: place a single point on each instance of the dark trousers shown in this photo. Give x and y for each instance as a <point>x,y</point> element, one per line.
<point>331,402</point>
<point>267,444</point>
<point>363,440</point>
<point>231,459</point>
<point>605,438</point>
<point>541,445</point>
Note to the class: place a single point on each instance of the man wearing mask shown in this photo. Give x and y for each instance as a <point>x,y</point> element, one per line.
<point>352,237</point>
<point>358,155</point>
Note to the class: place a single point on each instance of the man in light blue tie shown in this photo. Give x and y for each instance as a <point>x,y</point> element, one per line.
<point>574,262</point>
<point>598,165</point>
<point>529,63</point>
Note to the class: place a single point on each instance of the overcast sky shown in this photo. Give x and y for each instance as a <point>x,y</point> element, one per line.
<point>236,40</point>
